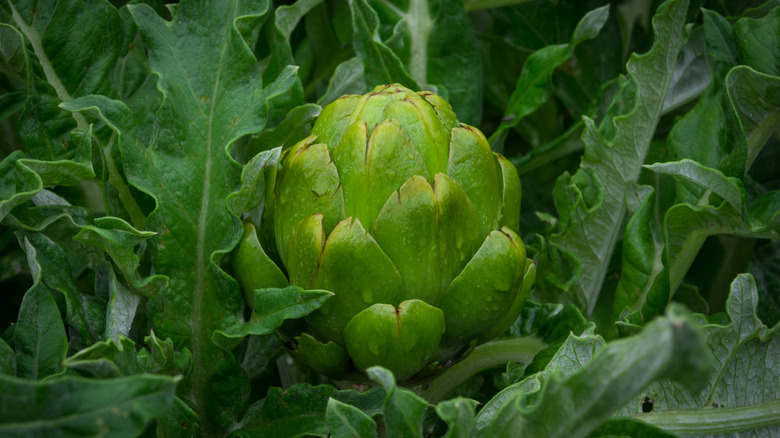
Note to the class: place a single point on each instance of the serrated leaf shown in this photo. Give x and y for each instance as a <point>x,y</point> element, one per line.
<point>72,51</point>
<point>113,408</point>
<point>179,421</point>
<point>119,240</point>
<point>106,359</point>
<point>18,183</point>
<point>47,259</point>
<point>730,189</point>
<point>302,410</point>
<point>380,64</point>
<point>122,304</point>
<point>569,358</point>
<point>346,421</point>
<point>39,336</point>
<point>614,164</point>
<point>533,85</point>
<point>162,357</point>
<point>644,277</point>
<point>272,308</point>
<point>741,392</point>
<point>346,79</point>
<point>723,133</point>
<point>459,415</point>
<point>286,18</point>
<point>253,188</point>
<point>573,406</point>
<point>212,96</point>
<point>403,410</point>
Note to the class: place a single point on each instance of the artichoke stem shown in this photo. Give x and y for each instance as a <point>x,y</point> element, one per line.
<point>489,355</point>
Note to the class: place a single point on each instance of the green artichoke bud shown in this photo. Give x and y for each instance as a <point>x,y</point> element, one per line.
<point>410,219</point>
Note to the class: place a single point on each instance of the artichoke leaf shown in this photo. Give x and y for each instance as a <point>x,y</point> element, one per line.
<point>475,167</point>
<point>311,162</point>
<point>510,212</point>
<point>360,274</point>
<point>325,358</point>
<point>307,241</point>
<point>333,120</point>
<point>458,230</point>
<point>253,268</point>
<point>517,306</point>
<point>391,159</point>
<point>406,230</point>
<point>402,340</point>
<point>349,157</point>
<point>425,129</point>
<point>443,109</point>
<point>372,106</point>
<point>485,292</point>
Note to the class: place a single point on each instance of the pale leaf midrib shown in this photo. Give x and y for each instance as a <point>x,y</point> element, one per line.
<point>202,270</point>
<point>48,69</point>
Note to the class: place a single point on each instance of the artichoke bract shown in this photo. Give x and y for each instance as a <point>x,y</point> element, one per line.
<point>410,219</point>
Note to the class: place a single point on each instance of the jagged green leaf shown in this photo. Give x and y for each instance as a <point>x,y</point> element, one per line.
<point>119,407</point>
<point>106,359</point>
<point>348,421</point>
<point>286,18</point>
<point>569,358</point>
<point>644,277</point>
<point>459,415</point>
<point>213,96</point>
<point>85,314</point>
<point>302,410</point>
<point>120,242</point>
<point>740,396</point>
<point>533,85</point>
<point>162,357</point>
<point>39,335</point>
<point>574,405</point>
<point>594,200</point>
<point>403,410</point>
<point>380,64</point>
<point>272,308</point>
<point>71,53</point>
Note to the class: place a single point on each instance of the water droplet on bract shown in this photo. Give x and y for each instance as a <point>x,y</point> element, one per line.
<point>368,295</point>
<point>501,285</point>
<point>459,241</point>
<point>373,347</point>
<point>496,308</point>
<point>411,156</point>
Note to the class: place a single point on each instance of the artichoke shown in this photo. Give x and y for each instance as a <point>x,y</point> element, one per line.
<point>410,219</point>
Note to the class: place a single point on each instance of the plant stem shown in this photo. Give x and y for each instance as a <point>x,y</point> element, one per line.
<point>122,189</point>
<point>485,356</point>
<point>715,421</point>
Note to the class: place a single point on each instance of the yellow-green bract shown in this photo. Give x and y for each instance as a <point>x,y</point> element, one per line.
<point>410,219</point>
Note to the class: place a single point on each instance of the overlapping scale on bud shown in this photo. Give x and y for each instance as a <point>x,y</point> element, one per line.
<point>411,220</point>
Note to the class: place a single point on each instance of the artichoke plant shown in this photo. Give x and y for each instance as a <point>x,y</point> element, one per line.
<point>410,219</point>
